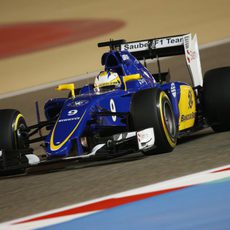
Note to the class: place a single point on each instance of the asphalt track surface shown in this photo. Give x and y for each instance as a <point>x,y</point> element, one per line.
<point>68,184</point>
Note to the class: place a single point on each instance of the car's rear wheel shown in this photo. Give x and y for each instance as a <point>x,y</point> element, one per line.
<point>152,108</point>
<point>216,98</point>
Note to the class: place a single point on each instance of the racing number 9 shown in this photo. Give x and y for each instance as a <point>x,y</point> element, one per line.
<point>72,112</point>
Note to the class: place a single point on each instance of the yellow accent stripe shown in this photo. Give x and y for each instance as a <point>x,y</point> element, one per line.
<point>130,78</point>
<point>16,121</point>
<point>15,126</point>
<point>173,144</point>
<point>54,147</point>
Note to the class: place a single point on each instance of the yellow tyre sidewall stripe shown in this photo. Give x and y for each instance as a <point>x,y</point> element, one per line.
<point>169,139</point>
<point>15,127</point>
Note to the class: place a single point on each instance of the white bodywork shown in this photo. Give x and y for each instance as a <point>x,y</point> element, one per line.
<point>193,59</point>
<point>32,159</point>
<point>145,139</point>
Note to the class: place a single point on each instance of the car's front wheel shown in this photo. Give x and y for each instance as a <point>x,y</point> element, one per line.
<point>11,136</point>
<point>152,108</point>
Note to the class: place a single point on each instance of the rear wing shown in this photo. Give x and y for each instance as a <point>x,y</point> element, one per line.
<point>170,46</point>
<point>157,47</point>
<point>164,47</point>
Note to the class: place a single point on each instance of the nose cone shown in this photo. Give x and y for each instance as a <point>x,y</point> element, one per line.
<point>68,126</point>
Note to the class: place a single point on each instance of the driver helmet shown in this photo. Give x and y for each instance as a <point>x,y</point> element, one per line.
<point>107,80</point>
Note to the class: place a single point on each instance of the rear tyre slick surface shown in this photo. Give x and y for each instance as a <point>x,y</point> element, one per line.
<point>216,98</point>
<point>152,108</point>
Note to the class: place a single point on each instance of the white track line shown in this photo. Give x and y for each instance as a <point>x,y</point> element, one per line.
<point>188,180</point>
<point>88,75</point>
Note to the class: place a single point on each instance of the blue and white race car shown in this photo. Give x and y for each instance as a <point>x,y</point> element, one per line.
<point>127,109</point>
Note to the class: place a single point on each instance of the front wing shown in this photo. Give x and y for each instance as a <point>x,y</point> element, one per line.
<point>16,161</point>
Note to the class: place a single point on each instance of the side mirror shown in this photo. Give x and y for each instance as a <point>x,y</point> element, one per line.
<point>131,77</point>
<point>69,87</point>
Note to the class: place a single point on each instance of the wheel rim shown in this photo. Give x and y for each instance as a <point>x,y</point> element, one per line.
<point>21,136</point>
<point>169,119</point>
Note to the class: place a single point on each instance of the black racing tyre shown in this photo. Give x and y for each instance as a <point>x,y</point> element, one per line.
<point>216,98</point>
<point>11,122</point>
<point>152,108</point>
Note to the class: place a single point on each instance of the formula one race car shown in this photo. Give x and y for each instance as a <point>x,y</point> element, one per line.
<point>126,110</point>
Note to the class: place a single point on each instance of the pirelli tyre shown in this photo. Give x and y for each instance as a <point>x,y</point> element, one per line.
<point>152,108</point>
<point>216,98</point>
<point>11,122</point>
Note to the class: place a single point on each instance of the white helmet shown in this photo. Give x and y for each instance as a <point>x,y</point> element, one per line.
<point>107,80</point>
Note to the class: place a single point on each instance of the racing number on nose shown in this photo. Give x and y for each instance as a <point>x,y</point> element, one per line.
<point>190,101</point>
<point>72,112</point>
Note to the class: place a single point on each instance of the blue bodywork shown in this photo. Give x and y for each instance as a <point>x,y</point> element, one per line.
<point>83,116</point>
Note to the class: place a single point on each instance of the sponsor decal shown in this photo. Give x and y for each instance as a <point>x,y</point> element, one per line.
<point>187,117</point>
<point>77,103</point>
<point>167,42</point>
<point>173,89</point>
<point>187,41</point>
<point>142,81</point>
<point>137,46</point>
<point>190,100</point>
<point>69,119</point>
<point>125,57</point>
<point>191,55</point>
<point>176,40</point>
<point>155,44</point>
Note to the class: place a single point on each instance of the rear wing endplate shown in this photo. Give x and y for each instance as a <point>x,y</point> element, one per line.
<point>169,46</point>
